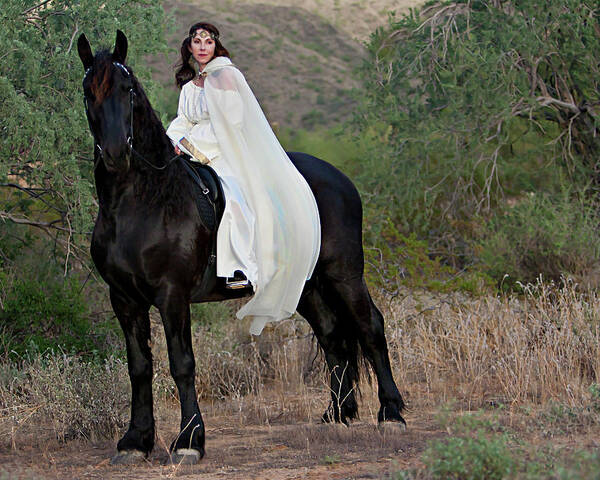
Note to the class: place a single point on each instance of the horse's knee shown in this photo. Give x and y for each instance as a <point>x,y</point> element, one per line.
<point>183,368</point>
<point>140,369</point>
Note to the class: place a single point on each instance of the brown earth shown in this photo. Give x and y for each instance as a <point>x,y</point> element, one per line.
<point>275,450</point>
<point>279,448</point>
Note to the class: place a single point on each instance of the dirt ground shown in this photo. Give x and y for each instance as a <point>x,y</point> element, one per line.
<point>278,445</point>
<point>279,450</point>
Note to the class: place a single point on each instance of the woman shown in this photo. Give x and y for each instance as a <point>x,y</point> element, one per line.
<point>270,229</point>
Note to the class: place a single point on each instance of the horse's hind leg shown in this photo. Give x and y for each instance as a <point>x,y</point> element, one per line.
<point>139,439</point>
<point>340,355</point>
<point>352,296</point>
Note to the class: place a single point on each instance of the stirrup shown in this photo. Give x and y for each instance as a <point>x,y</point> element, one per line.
<point>239,280</point>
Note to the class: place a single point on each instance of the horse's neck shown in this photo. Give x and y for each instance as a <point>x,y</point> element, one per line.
<point>152,147</point>
<point>112,188</point>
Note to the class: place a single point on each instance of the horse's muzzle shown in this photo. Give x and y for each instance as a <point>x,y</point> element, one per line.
<point>116,157</point>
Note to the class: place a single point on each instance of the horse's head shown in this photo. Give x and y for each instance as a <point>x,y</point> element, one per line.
<point>109,90</point>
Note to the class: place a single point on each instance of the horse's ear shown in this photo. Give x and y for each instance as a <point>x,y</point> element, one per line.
<point>120,51</point>
<point>85,51</point>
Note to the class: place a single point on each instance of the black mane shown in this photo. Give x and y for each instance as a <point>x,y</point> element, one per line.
<point>160,178</point>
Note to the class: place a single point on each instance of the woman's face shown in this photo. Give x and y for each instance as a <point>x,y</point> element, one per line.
<point>202,47</point>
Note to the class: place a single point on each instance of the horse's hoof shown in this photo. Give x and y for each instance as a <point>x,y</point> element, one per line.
<point>391,427</point>
<point>128,457</point>
<point>185,456</point>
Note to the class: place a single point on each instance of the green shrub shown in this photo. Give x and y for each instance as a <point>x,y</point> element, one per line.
<point>313,118</point>
<point>594,390</point>
<point>583,466</point>
<point>468,458</point>
<point>541,235</point>
<point>392,257</point>
<point>45,313</point>
<point>212,317</point>
<point>460,126</point>
<point>406,260</point>
<point>475,450</point>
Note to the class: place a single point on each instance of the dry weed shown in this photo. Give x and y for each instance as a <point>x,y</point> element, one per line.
<point>540,348</point>
<point>60,396</point>
<point>497,350</point>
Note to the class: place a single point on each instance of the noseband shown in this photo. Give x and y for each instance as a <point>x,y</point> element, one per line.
<point>132,95</point>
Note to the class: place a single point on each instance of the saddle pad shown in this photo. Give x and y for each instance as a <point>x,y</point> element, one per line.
<point>210,205</point>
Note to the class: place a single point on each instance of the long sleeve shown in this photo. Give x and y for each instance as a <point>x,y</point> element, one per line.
<point>180,126</point>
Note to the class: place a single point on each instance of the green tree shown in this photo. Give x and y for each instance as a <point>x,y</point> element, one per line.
<point>45,146</point>
<point>476,103</point>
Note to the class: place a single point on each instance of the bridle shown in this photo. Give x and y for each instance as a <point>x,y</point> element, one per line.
<point>132,150</point>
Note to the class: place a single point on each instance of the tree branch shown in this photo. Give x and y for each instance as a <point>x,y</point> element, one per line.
<point>25,221</point>
<point>547,101</point>
<point>34,193</point>
<point>31,9</point>
<point>72,38</point>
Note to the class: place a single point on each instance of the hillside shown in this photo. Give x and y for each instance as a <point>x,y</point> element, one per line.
<point>299,61</point>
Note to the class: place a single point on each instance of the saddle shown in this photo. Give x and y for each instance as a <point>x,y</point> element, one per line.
<point>211,202</point>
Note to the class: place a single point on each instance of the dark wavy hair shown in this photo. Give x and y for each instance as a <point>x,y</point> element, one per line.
<point>186,71</point>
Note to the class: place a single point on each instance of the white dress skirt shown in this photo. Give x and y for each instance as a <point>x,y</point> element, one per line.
<point>235,235</point>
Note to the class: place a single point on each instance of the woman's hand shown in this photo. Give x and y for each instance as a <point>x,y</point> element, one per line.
<point>177,150</point>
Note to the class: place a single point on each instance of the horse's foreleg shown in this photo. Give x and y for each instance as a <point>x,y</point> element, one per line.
<point>138,442</point>
<point>338,354</point>
<point>352,297</point>
<point>188,447</point>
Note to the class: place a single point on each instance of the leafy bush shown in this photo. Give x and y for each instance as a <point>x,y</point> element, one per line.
<point>45,312</point>
<point>212,317</point>
<point>473,102</point>
<point>392,257</point>
<point>46,146</point>
<point>473,452</point>
<point>469,458</point>
<point>408,261</point>
<point>541,235</point>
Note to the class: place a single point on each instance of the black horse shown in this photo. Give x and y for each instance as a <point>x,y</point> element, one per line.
<point>152,247</point>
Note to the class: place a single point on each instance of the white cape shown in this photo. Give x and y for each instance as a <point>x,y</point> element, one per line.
<point>287,230</point>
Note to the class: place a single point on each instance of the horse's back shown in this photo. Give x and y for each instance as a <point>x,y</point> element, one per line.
<point>340,210</point>
<point>324,178</point>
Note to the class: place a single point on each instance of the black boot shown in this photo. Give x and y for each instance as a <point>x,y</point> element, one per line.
<point>239,280</point>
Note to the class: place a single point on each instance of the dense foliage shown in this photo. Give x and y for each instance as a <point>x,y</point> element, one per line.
<point>46,184</point>
<point>483,110</point>
<point>45,147</point>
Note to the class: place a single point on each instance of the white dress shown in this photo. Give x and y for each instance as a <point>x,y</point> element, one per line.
<point>235,236</point>
<point>271,228</point>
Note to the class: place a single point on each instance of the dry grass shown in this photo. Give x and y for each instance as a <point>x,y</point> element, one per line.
<point>59,396</point>
<point>492,350</point>
<point>540,350</point>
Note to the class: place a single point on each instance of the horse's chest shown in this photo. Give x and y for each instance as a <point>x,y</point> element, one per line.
<point>116,251</point>
<point>134,252</point>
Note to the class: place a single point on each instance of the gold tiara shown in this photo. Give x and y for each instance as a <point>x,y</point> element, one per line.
<point>201,33</point>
